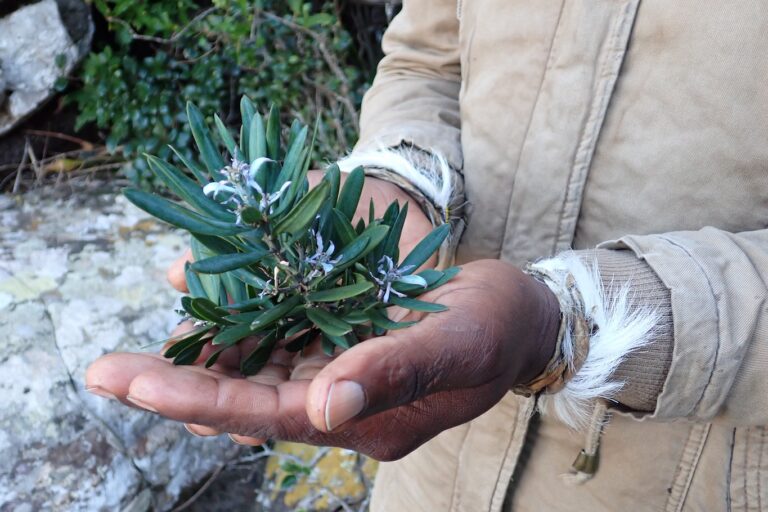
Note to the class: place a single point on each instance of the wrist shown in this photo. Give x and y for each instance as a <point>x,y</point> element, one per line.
<point>541,343</point>
<point>382,192</point>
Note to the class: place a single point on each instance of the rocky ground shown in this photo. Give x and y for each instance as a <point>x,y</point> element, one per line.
<point>82,274</point>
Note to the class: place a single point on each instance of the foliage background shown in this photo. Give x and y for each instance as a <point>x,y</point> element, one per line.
<point>161,53</point>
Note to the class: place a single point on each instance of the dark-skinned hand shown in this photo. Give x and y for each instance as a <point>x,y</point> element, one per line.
<point>383,397</point>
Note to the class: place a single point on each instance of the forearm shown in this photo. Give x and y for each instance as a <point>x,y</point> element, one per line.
<point>415,96</point>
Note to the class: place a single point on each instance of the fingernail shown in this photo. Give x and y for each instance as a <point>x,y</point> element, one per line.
<point>346,400</point>
<point>191,431</point>
<point>139,403</point>
<point>232,438</point>
<point>99,391</point>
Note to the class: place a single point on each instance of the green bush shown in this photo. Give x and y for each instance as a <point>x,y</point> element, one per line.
<point>167,52</point>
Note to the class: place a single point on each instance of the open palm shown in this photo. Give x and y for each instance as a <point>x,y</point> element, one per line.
<point>383,397</point>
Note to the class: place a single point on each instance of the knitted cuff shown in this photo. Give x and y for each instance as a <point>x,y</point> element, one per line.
<point>426,176</point>
<point>645,370</point>
<point>622,323</point>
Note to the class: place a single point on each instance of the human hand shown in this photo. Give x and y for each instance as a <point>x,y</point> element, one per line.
<point>384,397</point>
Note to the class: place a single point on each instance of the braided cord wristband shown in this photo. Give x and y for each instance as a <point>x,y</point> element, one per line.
<point>572,346</point>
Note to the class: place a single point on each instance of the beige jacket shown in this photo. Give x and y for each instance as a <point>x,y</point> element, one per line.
<point>576,123</point>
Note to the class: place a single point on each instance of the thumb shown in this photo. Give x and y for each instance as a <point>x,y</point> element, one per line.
<point>395,370</point>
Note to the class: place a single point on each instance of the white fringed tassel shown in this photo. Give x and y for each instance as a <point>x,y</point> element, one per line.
<point>619,331</point>
<point>434,180</point>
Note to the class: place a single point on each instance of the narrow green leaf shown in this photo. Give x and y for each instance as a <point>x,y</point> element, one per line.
<point>343,230</point>
<point>392,244</point>
<point>209,308</point>
<point>190,354</point>
<point>426,248</point>
<point>249,305</point>
<point>339,341</point>
<point>223,299</point>
<point>298,327</point>
<point>178,215</point>
<point>231,335</point>
<point>292,159</point>
<point>249,278</point>
<point>356,318</point>
<point>188,190</point>
<point>247,111</point>
<point>327,322</point>
<point>351,253</point>
<point>211,283</point>
<point>194,284</point>
<point>214,357</point>
<point>256,360</point>
<point>339,293</point>
<point>213,245</point>
<point>226,137</point>
<point>371,212</point>
<point>235,288</point>
<point>448,274</point>
<point>294,131</point>
<point>391,213</point>
<point>382,321</point>
<point>333,176</point>
<point>226,262</point>
<point>376,235</point>
<point>416,305</point>
<point>208,151</point>
<point>274,314</point>
<point>244,318</point>
<point>301,342</point>
<point>296,190</point>
<point>352,338</point>
<point>204,309</point>
<point>273,133</point>
<point>201,176</point>
<point>327,345</point>
<point>298,220</point>
<point>180,345</point>
<point>431,276</point>
<point>195,332</point>
<point>257,141</point>
<point>288,481</point>
<point>349,197</point>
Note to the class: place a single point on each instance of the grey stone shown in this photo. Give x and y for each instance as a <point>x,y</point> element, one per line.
<point>81,276</point>
<point>37,48</point>
<point>2,89</point>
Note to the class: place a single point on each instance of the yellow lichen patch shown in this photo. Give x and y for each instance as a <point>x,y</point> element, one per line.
<point>328,475</point>
<point>26,285</point>
<point>143,226</point>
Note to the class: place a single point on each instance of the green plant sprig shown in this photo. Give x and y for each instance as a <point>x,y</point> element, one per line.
<point>276,259</point>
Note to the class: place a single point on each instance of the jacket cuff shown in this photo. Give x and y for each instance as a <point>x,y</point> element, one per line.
<point>693,387</point>
<point>622,325</point>
<point>434,184</point>
<point>644,371</point>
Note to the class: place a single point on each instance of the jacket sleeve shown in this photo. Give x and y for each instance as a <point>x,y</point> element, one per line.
<point>680,326</point>
<point>415,96</point>
<point>718,290</point>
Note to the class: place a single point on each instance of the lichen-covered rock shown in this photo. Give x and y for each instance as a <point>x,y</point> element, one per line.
<point>2,89</point>
<point>39,44</point>
<point>79,277</point>
<point>302,477</point>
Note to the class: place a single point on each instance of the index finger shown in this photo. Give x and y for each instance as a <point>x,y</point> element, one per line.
<point>175,272</point>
